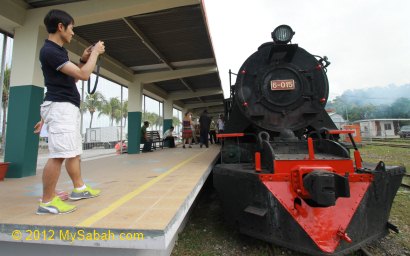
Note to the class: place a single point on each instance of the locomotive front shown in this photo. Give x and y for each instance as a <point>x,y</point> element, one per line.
<point>284,177</point>
<point>280,87</point>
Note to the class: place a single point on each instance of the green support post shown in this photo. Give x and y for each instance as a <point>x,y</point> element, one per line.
<point>167,125</point>
<point>21,142</point>
<point>134,132</point>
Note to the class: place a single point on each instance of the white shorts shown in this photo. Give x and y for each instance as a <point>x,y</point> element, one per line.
<point>63,121</point>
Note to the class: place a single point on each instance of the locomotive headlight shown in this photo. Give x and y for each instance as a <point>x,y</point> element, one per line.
<point>282,34</point>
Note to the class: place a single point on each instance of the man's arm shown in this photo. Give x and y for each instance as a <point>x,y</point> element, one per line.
<point>84,58</point>
<point>38,126</point>
<point>83,72</point>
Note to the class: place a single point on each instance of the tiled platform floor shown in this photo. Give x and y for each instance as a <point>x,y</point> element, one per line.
<point>147,193</point>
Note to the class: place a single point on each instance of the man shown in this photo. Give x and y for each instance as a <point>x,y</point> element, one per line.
<point>195,131</point>
<point>220,123</point>
<point>61,111</point>
<point>204,125</point>
<point>212,132</point>
<point>169,137</point>
<point>144,138</point>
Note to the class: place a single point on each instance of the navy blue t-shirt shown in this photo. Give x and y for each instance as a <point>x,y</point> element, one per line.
<point>60,87</point>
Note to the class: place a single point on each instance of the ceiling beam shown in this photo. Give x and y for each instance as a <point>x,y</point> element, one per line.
<point>94,11</point>
<point>109,65</point>
<point>202,105</point>
<point>152,77</point>
<point>179,95</point>
<point>152,89</point>
<point>146,42</point>
<point>153,48</point>
<point>211,110</point>
<point>176,64</point>
<point>12,15</point>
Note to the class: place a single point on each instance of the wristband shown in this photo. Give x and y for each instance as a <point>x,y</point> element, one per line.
<point>81,60</point>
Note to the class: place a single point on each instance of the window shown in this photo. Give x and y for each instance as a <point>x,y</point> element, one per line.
<point>387,126</point>
<point>152,112</point>
<point>177,120</point>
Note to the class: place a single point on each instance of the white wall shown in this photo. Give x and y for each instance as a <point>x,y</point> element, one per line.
<point>368,129</point>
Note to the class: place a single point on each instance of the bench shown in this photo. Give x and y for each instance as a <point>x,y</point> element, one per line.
<point>157,141</point>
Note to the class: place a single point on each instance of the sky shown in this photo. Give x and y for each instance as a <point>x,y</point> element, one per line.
<point>366,41</point>
<point>9,49</point>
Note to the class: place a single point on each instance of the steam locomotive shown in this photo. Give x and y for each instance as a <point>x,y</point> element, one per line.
<point>285,176</point>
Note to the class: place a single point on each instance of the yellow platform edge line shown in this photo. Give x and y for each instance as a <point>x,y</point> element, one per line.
<point>101,214</point>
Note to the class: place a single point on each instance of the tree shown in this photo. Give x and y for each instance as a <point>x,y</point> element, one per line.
<point>125,112</point>
<point>400,108</point>
<point>158,122</point>
<point>5,102</point>
<point>360,112</point>
<point>112,108</point>
<point>341,107</point>
<point>352,111</point>
<point>175,121</point>
<point>152,118</point>
<point>92,103</point>
<point>382,111</point>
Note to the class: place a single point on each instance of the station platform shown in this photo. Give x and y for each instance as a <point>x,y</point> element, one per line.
<point>144,203</point>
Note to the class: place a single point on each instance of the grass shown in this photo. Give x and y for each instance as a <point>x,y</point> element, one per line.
<point>389,155</point>
<point>207,234</point>
<point>400,212</point>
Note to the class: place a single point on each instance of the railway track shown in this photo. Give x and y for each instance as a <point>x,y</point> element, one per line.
<point>396,146</point>
<point>365,252</point>
<point>390,145</point>
<point>405,186</point>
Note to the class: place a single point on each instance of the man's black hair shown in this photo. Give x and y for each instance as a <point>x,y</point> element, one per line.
<point>146,123</point>
<point>54,17</point>
<point>172,127</point>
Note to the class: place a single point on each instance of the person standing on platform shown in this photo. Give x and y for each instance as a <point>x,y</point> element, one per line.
<point>195,130</point>
<point>220,124</point>
<point>60,111</point>
<point>145,139</point>
<point>187,129</point>
<point>204,124</point>
<point>168,136</point>
<point>212,132</point>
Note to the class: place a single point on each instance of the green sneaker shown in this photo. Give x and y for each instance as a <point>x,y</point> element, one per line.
<point>56,206</point>
<point>88,192</point>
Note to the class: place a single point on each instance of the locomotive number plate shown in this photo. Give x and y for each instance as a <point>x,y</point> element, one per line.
<point>282,85</point>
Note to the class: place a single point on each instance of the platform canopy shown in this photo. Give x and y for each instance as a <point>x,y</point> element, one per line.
<point>165,44</point>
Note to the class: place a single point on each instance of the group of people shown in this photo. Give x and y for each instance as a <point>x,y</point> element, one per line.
<point>169,138</point>
<point>207,129</point>
<point>207,132</point>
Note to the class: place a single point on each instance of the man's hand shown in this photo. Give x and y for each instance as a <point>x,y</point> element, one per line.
<point>86,53</point>
<point>38,126</point>
<point>99,47</point>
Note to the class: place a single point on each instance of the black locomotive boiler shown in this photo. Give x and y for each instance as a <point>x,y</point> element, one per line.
<point>284,176</point>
